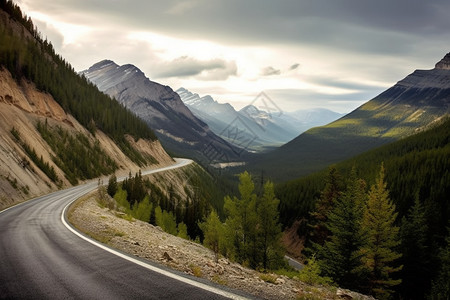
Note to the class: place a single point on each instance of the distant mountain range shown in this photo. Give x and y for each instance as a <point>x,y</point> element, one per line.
<point>180,132</point>
<point>410,106</point>
<point>256,126</point>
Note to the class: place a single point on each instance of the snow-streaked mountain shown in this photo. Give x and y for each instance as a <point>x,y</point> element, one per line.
<point>262,128</point>
<point>179,130</point>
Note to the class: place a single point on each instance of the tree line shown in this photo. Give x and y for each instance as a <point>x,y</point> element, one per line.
<point>143,200</point>
<point>251,231</point>
<point>360,242</point>
<point>35,60</point>
<point>418,179</point>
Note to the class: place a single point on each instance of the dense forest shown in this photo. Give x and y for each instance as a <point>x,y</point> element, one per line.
<point>249,233</point>
<point>28,56</point>
<point>418,183</point>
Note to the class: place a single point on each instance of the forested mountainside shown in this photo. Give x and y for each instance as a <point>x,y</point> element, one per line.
<point>411,105</point>
<point>418,183</point>
<point>57,127</point>
<point>161,108</point>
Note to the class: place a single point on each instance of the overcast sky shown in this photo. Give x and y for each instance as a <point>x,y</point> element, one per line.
<point>334,54</point>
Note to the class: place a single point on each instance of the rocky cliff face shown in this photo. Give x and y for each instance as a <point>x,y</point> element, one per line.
<point>178,129</point>
<point>444,64</point>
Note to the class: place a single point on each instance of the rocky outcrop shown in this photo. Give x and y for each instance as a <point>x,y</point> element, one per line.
<point>28,99</point>
<point>444,64</point>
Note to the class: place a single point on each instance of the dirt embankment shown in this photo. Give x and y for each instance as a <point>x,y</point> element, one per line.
<point>21,107</point>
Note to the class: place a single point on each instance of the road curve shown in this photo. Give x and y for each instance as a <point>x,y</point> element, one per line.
<point>41,258</point>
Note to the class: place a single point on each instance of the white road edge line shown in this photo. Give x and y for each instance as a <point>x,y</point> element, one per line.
<point>147,266</point>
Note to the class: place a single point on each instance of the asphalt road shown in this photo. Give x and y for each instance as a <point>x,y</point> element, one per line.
<point>42,258</point>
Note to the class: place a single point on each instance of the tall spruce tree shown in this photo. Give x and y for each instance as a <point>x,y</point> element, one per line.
<point>340,257</point>
<point>380,253</point>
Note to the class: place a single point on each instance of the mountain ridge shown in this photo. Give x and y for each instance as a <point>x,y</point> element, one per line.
<point>179,130</point>
<point>263,128</point>
<point>411,105</point>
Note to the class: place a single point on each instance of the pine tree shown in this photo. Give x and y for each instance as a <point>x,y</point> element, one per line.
<point>241,220</point>
<point>324,205</point>
<point>112,185</point>
<point>379,254</point>
<point>213,233</point>
<point>415,257</point>
<point>341,255</point>
<point>269,228</point>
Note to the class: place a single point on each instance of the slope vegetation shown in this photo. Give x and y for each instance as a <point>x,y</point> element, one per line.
<point>56,128</point>
<point>410,106</point>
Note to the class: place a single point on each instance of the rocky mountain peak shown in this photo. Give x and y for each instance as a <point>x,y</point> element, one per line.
<point>444,64</point>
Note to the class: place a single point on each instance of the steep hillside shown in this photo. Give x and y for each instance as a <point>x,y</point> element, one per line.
<point>162,109</point>
<point>410,106</point>
<point>55,126</point>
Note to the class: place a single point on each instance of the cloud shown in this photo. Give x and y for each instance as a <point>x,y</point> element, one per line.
<point>182,7</point>
<point>294,67</point>
<point>269,71</point>
<point>185,66</point>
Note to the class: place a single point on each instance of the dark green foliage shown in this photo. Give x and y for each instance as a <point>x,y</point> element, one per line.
<point>416,253</point>
<point>441,286</point>
<point>341,255</point>
<point>324,205</point>
<point>416,167</point>
<point>112,185</point>
<point>76,155</point>
<point>39,161</point>
<point>36,60</point>
<point>135,188</point>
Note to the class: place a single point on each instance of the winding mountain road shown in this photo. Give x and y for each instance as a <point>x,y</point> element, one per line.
<point>42,258</point>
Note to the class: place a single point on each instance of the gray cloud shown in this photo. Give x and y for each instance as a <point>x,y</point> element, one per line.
<point>386,27</point>
<point>269,71</point>
<point>214,69</point>
<point>379,41</point>
<point>294,67</point>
